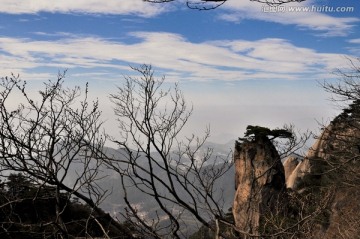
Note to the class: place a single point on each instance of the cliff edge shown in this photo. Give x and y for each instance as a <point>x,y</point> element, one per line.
<point>259,182</point>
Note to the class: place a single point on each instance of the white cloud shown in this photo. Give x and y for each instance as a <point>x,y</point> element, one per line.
<point>354,41</point>
<point>286,15</point>
<point>178,58</point>
<point>137,7</point>
<point>217,60</point>
<point>355,49</point>
<point>232,10</point>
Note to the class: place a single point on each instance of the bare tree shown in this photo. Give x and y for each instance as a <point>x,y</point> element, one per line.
<point>334,175</point>
<point>213,4</point>
<point>53,142</point>
<point>180,177</point>
<point>342,136</point>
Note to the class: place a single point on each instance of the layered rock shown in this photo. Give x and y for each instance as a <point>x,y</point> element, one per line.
<point>290,164</point>
<point>259,180</point>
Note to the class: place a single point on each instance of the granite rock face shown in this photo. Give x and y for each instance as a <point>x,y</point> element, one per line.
<point>310,163</point>
<point>259,182</point>
<point>290,165</point>
<point>325,183</point>
<point>332,163</point>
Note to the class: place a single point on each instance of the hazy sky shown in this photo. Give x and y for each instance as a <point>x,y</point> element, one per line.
<point>240,64</point>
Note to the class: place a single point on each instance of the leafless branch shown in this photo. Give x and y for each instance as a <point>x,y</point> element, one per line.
<point>174,173</point>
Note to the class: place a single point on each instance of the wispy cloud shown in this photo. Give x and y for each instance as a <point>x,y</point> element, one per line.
<point>289,14</point>
<point>233,11</point>
<point>269,58</point>
<point>354,41</point>
<point>355,48</point>
<point>81,6</point>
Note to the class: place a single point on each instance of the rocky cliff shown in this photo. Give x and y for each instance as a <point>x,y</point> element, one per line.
<point>259,182</point>
<point>323,188</point>
<point>332,166</point>
<point>296,170</point>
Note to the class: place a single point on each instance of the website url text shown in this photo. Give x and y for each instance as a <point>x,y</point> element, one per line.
<point>282,8</point>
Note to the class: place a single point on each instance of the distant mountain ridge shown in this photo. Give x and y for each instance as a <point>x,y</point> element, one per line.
<point>114,203</point>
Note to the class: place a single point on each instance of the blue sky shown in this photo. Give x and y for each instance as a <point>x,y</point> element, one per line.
<point>237,65</point>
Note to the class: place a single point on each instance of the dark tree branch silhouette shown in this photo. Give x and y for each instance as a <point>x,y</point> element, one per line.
<point>213,4</point>
<point>343,133</point>
<point>53,141</point>
<point>286,140</point>
<point>177,176</point>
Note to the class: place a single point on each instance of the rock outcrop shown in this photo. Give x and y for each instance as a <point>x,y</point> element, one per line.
<point>290,164</point>
<point>311,162</point>
<point>259,180</point>
<point>322,187</point>
<point>332,165</point>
